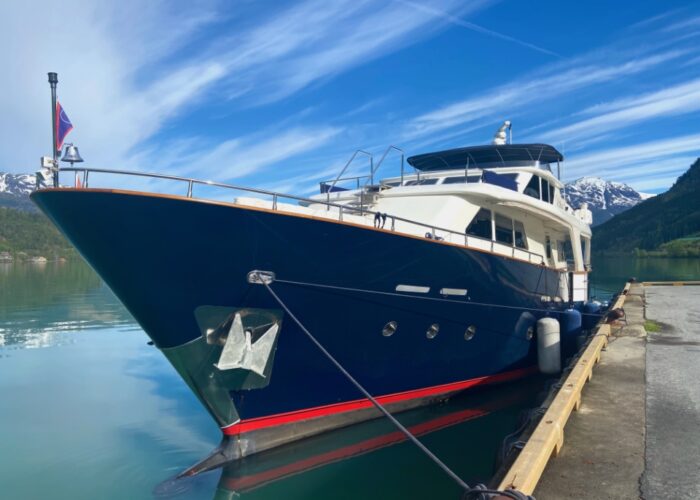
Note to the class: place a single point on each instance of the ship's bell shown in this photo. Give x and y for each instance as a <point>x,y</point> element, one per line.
<point>71,154</point>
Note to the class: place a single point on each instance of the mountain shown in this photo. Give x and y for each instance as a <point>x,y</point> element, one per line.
<point>15,190</point>
<point>653,223</point>
<point>605,198</point>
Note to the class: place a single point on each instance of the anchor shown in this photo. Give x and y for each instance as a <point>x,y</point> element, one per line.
<point>241,352</point>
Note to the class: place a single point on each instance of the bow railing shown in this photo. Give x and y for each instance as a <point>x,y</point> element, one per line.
<point>356,214</point>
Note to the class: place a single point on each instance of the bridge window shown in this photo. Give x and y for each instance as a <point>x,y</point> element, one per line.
<point>533,187</point>
<point>461,180</point>
<point>421,182</point>
<point>504,230</point>
<point>545,190</point>
<point>480,226</point>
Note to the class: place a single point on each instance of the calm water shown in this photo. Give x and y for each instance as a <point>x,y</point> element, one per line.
<point>89,410</point>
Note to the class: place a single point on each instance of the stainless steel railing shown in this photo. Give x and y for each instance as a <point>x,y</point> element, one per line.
<point>430,231</point>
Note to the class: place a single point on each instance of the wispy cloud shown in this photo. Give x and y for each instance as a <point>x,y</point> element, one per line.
<point>457,21</point>
<point>626,112</point>
<point>317,40</point>
<point>510,97</point>
<point>127,69</point>
<point>652,162</point>
<point>237,158</point>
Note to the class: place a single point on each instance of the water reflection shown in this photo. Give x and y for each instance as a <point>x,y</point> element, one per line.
<point>374,460</point>
<point>40,301</point>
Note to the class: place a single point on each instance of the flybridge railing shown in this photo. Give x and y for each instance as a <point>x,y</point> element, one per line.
<point>328,186</point>
<point>380,221</point>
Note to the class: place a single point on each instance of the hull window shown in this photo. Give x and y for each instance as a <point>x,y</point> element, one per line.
<point>504,230</point>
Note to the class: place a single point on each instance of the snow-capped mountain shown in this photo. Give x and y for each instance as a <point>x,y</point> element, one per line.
<point>15,190</point>
<point>17,184</point>
<point>605,198</point>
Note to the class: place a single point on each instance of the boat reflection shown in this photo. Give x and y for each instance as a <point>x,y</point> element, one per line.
<point>466,432</point>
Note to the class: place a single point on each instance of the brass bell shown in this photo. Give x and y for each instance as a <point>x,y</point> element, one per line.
<point>71,154</point>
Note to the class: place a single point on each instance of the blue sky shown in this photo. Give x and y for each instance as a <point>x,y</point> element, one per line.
<point>279,94</point>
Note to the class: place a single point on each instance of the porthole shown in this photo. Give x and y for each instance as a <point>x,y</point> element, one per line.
<point>432,331</point>
<point>469,332</point>
<point>390,328</point>
<point>530,333</point>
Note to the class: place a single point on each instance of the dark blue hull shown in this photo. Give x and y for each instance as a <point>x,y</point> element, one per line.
<point>164,257</point>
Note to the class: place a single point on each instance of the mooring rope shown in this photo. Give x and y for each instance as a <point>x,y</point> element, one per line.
<point>468,491</point>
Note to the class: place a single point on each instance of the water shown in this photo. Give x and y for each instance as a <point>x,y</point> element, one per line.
<point>611,273</point>
<point>89,410</point>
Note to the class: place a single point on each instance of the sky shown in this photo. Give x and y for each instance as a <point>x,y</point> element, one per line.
<point>279,95</point>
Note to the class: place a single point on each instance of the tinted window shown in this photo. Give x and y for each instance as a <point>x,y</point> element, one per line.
<point>551,193</point>
<point>504,230</point>
<point>421,182</point>
<point>481,225</point>
<point>545,190</point>
<point>460,180</point>
<point>533,187</point>
<point>519,233</point>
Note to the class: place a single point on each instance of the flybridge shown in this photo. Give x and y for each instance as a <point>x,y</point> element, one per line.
<point>488,156</point>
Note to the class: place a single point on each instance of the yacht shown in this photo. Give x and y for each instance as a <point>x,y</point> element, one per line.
<point>420,285</point>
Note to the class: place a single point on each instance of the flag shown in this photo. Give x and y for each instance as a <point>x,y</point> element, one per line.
<point>63,126</point>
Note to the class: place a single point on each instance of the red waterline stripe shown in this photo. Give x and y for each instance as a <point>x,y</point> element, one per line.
<point>255,480</point>
<point>360,404</point>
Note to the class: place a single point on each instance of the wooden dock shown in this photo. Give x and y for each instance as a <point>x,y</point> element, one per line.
<point>635,435</point>
<point>548,438</point>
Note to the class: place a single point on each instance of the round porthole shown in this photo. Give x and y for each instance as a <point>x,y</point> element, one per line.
<point>432,331</point>
<point>530,333</point>
<point>469,332</point>
<point>389,329</point>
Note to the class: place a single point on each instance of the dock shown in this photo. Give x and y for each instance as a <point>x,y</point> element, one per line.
<point>625,423</point>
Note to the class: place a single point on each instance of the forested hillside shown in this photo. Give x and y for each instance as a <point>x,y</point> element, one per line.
<point>31,233</point>
<point>646,227</point>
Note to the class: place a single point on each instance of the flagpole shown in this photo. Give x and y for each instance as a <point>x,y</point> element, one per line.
<point>53,80</point>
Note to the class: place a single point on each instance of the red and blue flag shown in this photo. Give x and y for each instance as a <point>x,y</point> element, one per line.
<point>63,126</point>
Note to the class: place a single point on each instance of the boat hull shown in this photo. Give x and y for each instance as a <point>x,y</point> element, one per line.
<point>170,258</point>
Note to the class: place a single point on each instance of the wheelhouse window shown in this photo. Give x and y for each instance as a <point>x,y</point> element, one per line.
<point>519,235</point>
<point>533,187</point>
<point>504,230</point>
<point>480,226</point>
<point>545,191</point>
<point>461,180</point>
<point>421,182</point>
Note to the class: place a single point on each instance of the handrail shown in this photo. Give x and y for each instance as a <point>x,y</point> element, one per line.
<point>379,164</point>
<point>276,195</point>
<point>371,164</point>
